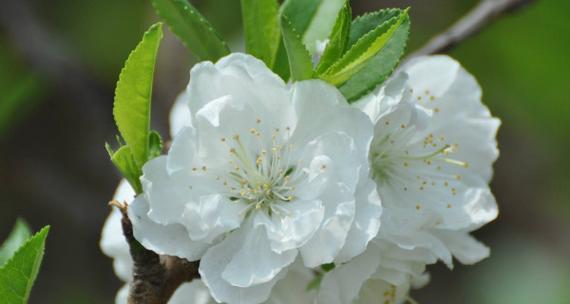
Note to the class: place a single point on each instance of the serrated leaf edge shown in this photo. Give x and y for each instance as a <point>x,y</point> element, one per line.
<point>45,231</point>
<point>373,87</point>
<point>121,79</point>
<point>333,69</point>
<point>327,75</point>
<point>192,10</point>
<point>322,68</point>
<point>375,13</point>
<point>298,37</point>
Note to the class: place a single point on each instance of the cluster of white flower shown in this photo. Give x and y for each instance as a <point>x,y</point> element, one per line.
<point>276,186</point>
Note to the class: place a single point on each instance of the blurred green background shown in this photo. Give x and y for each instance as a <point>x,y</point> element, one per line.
<point>59,61</point>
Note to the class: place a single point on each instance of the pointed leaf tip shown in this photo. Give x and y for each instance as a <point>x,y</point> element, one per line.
<point>133,97</point>
<point>19,273</point>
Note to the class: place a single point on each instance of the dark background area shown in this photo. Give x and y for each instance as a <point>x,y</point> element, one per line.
<point>60,59</point>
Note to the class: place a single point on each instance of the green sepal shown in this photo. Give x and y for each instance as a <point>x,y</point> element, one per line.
<point>328,267</point>
<point>155,144</point>
<point>18,274</point>
<point>195,32</point>
<point>125,163</point>
<point>300,62</point>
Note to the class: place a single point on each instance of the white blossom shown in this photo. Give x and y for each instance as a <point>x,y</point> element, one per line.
<point>431,157</point>
<point>262,172</point>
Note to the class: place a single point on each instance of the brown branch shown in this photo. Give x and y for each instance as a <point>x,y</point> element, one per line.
<point>155,277</point>
<point>484,14</point>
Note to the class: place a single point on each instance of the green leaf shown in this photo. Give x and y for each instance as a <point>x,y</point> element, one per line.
<point>20,233</point>
<point>300,62</point>
<point>363,50</point>
<point>17,276</point>
<point>133,95</point>
<point>364,24</point>
<point>322,23</point>
<point>155,144</point>
<point>337,40</point>
<point>124,161</point>
<point>371,59</point>
<point>376,70</point>
<point>300,12</point>
<point>195,32</point>
<point>312,19</point>
<point>281,66</point>
<point>261,29</point>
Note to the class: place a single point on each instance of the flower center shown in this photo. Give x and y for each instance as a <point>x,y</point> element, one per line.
<point>390,153</point>
<point>261,177</point>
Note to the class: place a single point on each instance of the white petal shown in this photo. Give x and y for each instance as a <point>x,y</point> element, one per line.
<point>293,288</point>
<point>194,292</point>
<point>169,239</point>
<point>122,295</point>
<point>180,114</point>
<point>384,99</point>
<point>343,284</point>
<point>213,264</point>
<point>327,242</point>
<point>124,192</point>
<point>255,263</point>
<point>380,291</point>
<point>435,74</point>
<point>337,155</point>
<point>220,122</point>
<point>464,247</point>
<point>480,207</point>
<point>291,224</point>
<point>113,243</point>
<point>366,221</point>
<point>421,281</point>
<point>334,115</point>
<point>442,85</point>
<point>243,77</point>
<point>342,172</point>
<point>213,216</point>
<point>400,226</point>
<point>399,264</point>
<point>183,152</point>
<point>167,196</point>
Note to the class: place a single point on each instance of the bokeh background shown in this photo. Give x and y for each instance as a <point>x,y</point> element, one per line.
<point>60,59</point>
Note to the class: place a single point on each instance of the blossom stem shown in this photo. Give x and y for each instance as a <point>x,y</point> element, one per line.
<point>482,15</point>
<point>155,277</point>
